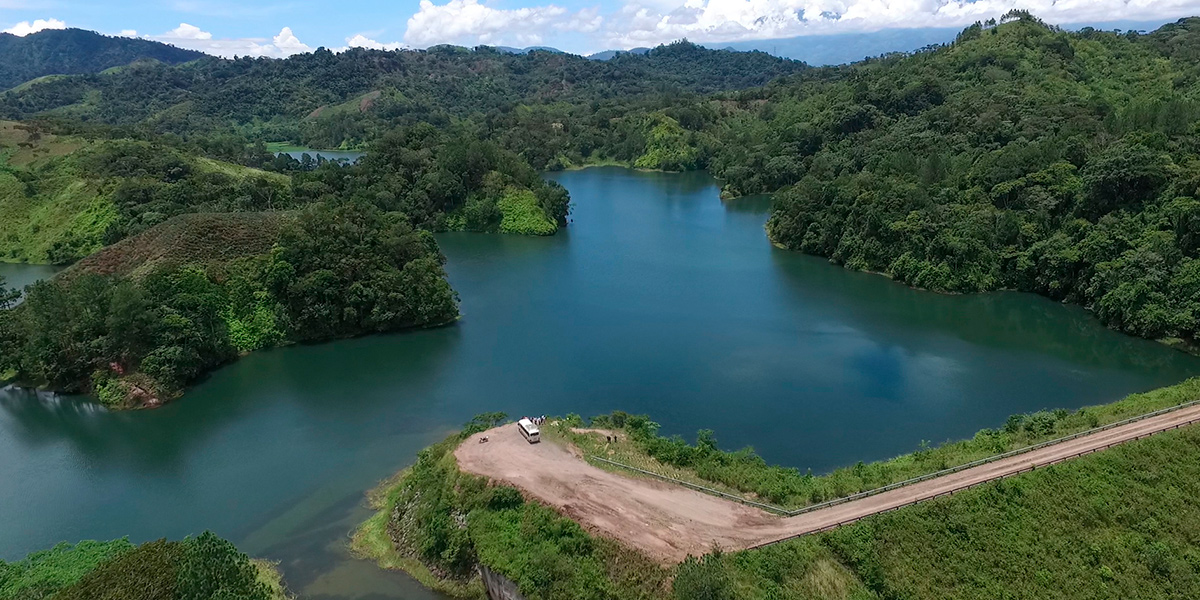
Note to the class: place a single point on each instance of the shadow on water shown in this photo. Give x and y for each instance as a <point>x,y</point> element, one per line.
<point>1011,321</point>
<point>313,378</point>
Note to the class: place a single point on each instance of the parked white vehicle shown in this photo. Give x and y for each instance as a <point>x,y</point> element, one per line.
<point>530,431</point>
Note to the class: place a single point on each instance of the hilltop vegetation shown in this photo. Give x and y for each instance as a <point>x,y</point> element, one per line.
<point>74,51</point>
<point>140,320</point>
<point>202,567</point>
<point>1019,157</point>
<point>62,198</point>
<point>327,100</point>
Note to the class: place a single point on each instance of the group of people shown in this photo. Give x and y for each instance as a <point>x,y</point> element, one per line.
<point>536,420</point>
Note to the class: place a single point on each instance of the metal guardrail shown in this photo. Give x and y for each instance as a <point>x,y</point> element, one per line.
<point>1028,469</point>
<point>893,486</point>
<point>700,488</point>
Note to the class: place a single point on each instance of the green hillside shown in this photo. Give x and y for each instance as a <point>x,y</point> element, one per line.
<point>205,566</point>
<point>74,51</point>
<point>327,100</point>
<point>138,321</point>
<point>62,198</point>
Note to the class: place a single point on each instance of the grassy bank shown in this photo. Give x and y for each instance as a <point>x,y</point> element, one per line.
<point>438,524</point>
<point>746,473</point>
<point>1123,523</point>
<point>205,566</point>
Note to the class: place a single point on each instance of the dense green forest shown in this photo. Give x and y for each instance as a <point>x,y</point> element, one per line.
<point>323,99</point>
<point>1018,157</point>
<point>199,568</point>
<point>76,51</point>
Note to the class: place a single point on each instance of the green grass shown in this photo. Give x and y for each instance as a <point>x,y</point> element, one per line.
<point>1123,523</point>
<point>47,571</point>
<point>625,451</point>
<point>36,80</point>
<point>353,106</point>
<point>238,171</point>
<point>64,210</point>
<point>50,212</point>
<point>371,542</point>
<point>522,215</point>
<point>269,575</point>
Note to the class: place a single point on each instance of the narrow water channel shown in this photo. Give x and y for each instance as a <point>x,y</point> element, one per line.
<point>658,298</point>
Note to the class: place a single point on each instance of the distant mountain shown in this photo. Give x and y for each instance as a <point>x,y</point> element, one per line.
<point>610,54</point>
<point>76,51</point>
<point>818,50</point>
<point>511,50</point>
<point>842,48</point>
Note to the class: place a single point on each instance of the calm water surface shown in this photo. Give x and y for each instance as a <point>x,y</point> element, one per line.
<point>658,298</point>
<point>346,155</point>
<point>17,275</point>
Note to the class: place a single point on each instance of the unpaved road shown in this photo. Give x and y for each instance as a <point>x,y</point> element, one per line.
<point>667,522</point>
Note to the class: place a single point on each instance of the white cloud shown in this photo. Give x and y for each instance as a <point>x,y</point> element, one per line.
<point>129,33</point>
<point>287,44</point>
<point>188,32</point>
<point>649,22</point>
<point>189,36</point>
<point>362,41</point>
<point>25,28</point>
<point>468,22</point>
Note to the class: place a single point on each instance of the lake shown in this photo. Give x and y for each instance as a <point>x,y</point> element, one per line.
<point>658,298</point>
<point>19,275</point>
<point>346,155</point>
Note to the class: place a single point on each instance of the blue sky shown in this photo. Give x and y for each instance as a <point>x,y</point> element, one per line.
<point>282,27</point>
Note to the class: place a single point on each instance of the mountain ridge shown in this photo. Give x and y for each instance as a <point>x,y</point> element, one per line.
<point>77,52</point>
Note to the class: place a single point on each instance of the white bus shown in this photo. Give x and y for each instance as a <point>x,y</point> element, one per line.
<point>529,430</point>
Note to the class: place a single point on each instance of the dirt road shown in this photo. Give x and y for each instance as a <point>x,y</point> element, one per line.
<point>667,522</point>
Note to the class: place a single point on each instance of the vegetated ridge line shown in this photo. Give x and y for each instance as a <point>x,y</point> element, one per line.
<point>667,522</point>
<point>835,516</point>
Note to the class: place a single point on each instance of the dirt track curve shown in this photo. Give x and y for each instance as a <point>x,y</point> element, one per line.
<point>667,521</point>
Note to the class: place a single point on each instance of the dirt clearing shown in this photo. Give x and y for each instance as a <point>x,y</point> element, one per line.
<point>667,521</point>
